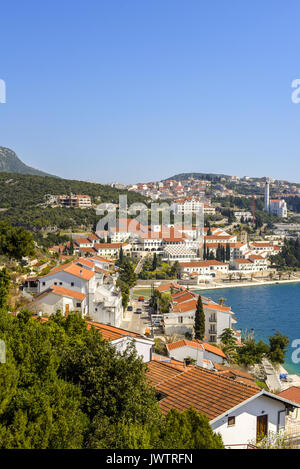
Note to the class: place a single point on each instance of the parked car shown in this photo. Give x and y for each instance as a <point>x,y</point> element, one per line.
<point>156,322</point>
<point>138,310</point>
<point>130,308</point>
<point>141,298</point>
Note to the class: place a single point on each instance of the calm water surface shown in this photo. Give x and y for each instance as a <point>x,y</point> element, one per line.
<point>266,309</point>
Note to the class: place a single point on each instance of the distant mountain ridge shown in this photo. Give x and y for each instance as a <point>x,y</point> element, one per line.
<point>9,162</point>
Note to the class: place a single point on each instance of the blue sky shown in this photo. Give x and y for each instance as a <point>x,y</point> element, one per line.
<point>139,90</point>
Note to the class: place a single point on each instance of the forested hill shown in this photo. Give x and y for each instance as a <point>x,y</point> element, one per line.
<point>20,190</point>
<point>22,202</point>
<point>9,161</point>
<point>206,176</point>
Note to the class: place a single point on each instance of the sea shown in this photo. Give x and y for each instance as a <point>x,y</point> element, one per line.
<point>265,309</point>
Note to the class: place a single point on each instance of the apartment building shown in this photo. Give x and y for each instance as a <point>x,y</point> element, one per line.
<point>181,317</point>
<point>73,200</point>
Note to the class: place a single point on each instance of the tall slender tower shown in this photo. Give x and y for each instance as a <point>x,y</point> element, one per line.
<point>267,196</point>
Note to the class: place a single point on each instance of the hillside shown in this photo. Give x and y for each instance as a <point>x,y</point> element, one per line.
<point>9,162</point>
<point>22,201</point>
<point>206,176</point>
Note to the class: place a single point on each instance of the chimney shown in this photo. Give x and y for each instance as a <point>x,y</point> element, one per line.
<point>186,362</point>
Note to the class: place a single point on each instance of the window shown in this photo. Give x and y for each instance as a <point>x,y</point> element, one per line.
<point>72,284</point>
<point>180,319</point>
<point>44,283</point>
<point>231,421</point>
<point>60,283</point>
<point>55,283</point>
<point>78,305</point>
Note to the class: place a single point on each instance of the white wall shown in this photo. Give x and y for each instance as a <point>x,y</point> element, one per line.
<point>185,352</point>
<point>143,346</point>
<point>244,430</point>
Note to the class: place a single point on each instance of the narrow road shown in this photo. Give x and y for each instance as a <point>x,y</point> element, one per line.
<point>273,381</point>
<point>140,264</point>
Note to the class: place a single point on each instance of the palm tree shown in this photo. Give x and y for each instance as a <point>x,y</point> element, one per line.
<point>222,301</point>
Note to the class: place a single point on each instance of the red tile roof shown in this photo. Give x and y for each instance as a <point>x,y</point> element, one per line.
<point>67,292</point>
<point>206,391</point>
<point>198,345</point>
<point>201,263</point>
<point>292,394</point>
<point>111,332</point>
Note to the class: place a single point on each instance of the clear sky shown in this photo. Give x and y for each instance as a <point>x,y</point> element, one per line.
<point>139,90</point>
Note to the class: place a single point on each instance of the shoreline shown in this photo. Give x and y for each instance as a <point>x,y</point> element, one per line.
<point>242,284</point>
<point>225,285</point>
<point>295,378</point>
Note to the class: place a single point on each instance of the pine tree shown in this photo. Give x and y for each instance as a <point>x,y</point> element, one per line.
<point>154,262</point>
<point>4,287</point>
<point>227,255</point>
<point>121,255</point>
<point>199,327</point>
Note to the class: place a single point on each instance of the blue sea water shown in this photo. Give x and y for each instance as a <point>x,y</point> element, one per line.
<point>266,309</point>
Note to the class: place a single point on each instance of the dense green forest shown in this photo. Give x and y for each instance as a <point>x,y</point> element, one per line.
<point>289,257</point>
<point>22,198</point>
<point>22,190</point>
<point>293,203</point>
<point>63,387</point>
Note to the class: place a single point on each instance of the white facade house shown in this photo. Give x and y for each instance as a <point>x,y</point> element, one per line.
<point>241,413</point>
<point>204,354</point>
<point>181,317</point>
<point>122,338</point>
<point>80,285</point>
<point>57,298</point>
<point>240,425</point>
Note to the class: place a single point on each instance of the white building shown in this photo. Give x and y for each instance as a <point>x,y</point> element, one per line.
<point>240,413</point>
<point>278,207</point>
<point>188,205</point>
<point>121,338</point>
<point>80,286</point>
<point>204,267</point>
<point>181,317</point>
<point>204,354</point>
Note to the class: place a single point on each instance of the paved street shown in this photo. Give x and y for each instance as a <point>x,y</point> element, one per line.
<point>137,322</point>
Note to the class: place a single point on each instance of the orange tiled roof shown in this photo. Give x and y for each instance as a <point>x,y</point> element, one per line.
<point>67,292</point>
<point>160,371</point>
<point>201,263</point>
<point>184,307</point>
<point>82,241</point>
<point>111,332</point>
<point>78,271</point>
<point>170,362</point>
<point>168,286</point>
<point>109,245</point>
<point>292,394</point>
<point>182,298</point>
<point>73,269</point>
<point>196,344</point>
<point>206,391</point>
<point>85,261</point>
